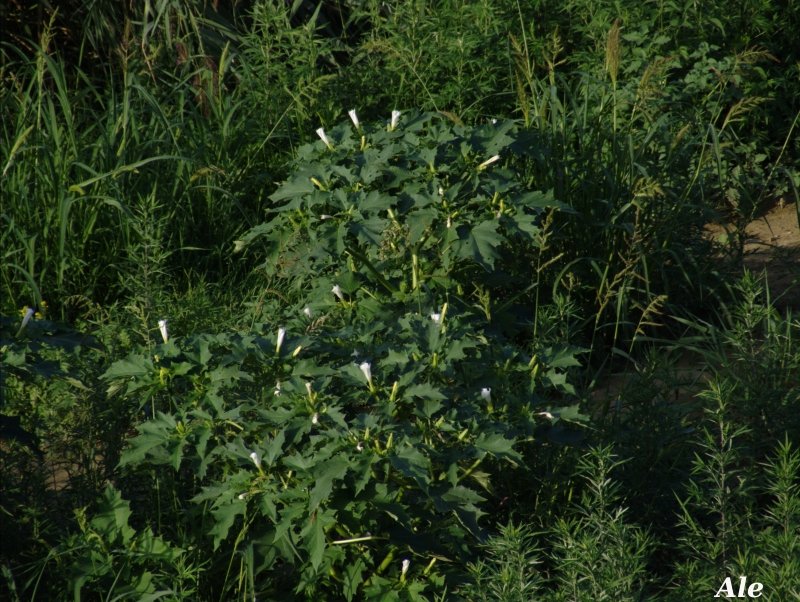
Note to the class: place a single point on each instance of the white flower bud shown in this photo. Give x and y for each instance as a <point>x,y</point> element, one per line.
<point>307,312</point>
<point>281,336</point>
<point>354,118</point>
<point>324,138</point>
<point>29,314</point>
<point>256,459</point>
<point>395,120</point>
<point>486,393</point>
<point>162,326</point>
<point>366,368</point>
<point>488,162</point>
<point>336,290</point>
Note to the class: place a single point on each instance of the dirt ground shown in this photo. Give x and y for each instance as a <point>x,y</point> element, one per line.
<point>772,243</point>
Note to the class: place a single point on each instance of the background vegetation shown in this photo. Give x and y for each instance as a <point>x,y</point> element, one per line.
<point>383,371</point>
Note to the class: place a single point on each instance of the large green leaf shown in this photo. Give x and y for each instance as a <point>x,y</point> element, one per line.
<point>224,517</point>
<point>479,243</point>
<point>324,475</point>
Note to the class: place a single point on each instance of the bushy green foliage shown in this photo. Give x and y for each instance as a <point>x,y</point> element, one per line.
<point>723,530</point>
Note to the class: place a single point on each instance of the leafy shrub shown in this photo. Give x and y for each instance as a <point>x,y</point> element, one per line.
<point>323,461</point>
<point>723,531</point>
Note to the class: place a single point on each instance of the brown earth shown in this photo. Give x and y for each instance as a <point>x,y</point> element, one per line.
<point>772,244</point>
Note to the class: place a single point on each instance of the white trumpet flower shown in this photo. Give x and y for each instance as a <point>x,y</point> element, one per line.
<point>395,120</point>
<point>337,290</point>
<point>404,567</point>
<point>488,162</point>
<point>277,392</point>
<point>26,318</point>
<point>366,368</point>
<point>324,138</point>
<point>256,459</point>
<point>162,326</point>
<point>307,312</point>
<point>547,415</point>
<point>315,419</point>
<point>281,336</point>
<point>354,118</point>
<point>486,393</point>
<point>437,318</point>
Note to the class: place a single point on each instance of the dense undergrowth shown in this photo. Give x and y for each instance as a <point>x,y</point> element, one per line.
<point>315,300</point>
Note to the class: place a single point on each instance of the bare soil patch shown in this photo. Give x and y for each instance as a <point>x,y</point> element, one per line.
<point>772,244</point>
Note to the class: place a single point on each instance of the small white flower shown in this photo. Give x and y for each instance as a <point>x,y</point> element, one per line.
<point>27,318</point>
<point>242,495</point>
<point>315,419</point>
<point>324,138</point>
<point>488,162</point>
<point>360,446</point>
<point>281,336</point>
<point>277,388</point>
<point>405,564</point>
<point>547,415</point>
<point>449,223</point>
<point>366,368</point>
<point>437,318</point>
<point>162,326</point>
<point>309,389</point>
<point>441,191</point>
<point>256,459</point>
<point>494,121</point>
<point>395,120</point>
<point>307,312</point>
<point>354,118</point>
<point>486,393</point>
<point>337,290</point>
<point>325,216</point>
